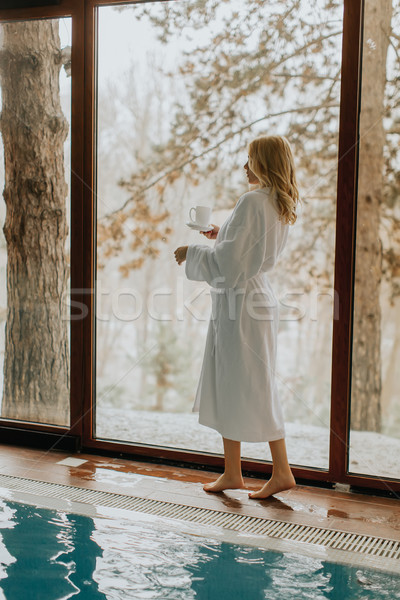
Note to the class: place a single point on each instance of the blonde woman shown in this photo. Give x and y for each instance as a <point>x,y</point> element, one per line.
<point>237,393</point>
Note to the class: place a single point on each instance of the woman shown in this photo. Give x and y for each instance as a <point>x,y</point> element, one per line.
<point>237,393</point>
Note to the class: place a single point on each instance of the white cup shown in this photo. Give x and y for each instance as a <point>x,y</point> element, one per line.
<point>203,215</point>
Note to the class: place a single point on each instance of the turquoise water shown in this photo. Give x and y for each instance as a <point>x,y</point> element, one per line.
<point>50,555</point>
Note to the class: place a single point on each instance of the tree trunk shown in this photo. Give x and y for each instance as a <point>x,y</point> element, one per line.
<point>366,367</point>
<point>36,367</point>
<point>390,384</point>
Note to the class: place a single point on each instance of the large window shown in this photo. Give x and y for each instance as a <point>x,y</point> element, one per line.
<point>35,220</point>
<point>182,88</point>
<point>116,118</point>
<point>375,406</point>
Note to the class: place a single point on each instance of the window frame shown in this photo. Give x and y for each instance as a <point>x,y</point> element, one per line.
<point>83,253</point>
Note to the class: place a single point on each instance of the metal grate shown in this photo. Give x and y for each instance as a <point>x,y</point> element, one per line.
<point>340,540</point>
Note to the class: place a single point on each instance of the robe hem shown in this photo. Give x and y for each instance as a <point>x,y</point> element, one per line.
<point>234,438</point>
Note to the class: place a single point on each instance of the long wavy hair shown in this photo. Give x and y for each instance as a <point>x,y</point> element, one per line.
<point>271,160</point>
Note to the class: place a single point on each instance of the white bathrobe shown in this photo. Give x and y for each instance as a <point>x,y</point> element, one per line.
<point>236,392</point>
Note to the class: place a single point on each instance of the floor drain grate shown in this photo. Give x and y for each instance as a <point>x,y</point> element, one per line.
<point>330,538</point>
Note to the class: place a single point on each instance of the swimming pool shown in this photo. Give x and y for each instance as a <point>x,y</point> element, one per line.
<point>51,554</point>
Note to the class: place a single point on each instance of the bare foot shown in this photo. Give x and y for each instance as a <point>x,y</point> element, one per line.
<point>224,482</point>
<point>277,483</point>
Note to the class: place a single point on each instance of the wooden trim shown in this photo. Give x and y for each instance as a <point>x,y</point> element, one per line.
<point>345,238</point>
<point>370,482</point>
<point>197,458</point>
<point>41,427</point>
<point>77,226</point>
<point>94,3</point>
<point>88,259</point>
<point>66,8</point>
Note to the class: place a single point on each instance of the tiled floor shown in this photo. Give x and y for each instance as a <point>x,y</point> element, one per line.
<point>369,515</point>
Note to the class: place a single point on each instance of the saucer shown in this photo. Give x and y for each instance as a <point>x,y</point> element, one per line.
<point>199,227</point>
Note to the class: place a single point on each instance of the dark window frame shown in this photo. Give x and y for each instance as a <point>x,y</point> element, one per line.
<point>83,220</point>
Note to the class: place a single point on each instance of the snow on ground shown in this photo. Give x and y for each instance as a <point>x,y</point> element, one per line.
<point>307,445</point>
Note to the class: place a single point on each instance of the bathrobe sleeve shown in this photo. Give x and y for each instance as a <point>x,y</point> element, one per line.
<point>241,252</point>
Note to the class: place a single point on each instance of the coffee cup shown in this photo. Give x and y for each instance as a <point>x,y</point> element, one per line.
<point>202,215</point>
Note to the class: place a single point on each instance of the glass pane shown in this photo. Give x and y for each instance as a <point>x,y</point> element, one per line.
<point>35,219</point>
<point>182,89</point>
<point>375,391</point>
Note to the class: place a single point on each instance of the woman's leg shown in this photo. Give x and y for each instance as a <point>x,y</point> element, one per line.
<point>282,476</point>
<point>231,478</point>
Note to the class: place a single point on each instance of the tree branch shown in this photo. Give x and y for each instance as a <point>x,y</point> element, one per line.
<point>211,148</point>
<point>308,45</point>
<point>302,76</point>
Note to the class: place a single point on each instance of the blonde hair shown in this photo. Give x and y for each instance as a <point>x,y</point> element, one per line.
<point>271,160</point>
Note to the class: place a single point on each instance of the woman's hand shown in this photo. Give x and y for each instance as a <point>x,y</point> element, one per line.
<point>211,235</point>
<point>180,254</point>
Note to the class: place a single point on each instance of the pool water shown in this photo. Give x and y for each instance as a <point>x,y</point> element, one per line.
<point>51,554</point>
